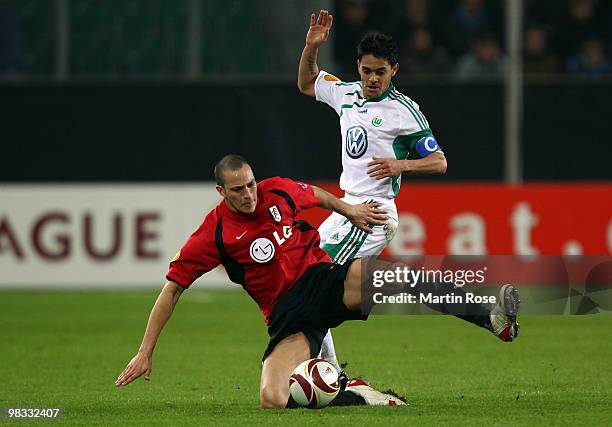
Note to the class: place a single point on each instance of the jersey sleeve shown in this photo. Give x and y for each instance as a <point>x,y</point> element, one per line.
<point>198,255</point>
<point>414,134</point>
<point>329,89</point>
<point>302,195</point>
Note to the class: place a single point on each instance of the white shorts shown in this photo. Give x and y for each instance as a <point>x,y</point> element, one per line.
<point>343,241</point>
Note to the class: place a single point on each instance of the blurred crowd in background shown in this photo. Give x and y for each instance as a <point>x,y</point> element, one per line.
<point>466,37</point>
<point>461,38</point>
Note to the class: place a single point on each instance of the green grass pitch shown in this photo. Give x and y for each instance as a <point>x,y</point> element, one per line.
<point>66,349</point>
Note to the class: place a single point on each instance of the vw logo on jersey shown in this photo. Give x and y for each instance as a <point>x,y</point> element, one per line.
<point>356,141</point>
<point>262,250</point>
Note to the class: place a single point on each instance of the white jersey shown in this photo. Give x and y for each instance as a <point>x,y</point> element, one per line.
<point>386,126</point>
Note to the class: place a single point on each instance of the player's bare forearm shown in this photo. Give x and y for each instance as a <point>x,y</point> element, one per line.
<point>381,167</point>
<point>331,202</point>
<point>434,164</point>
<point>161,312</point>
<point>142,363</point>
<point>362,215</point>
<point>318,32</point>
<point>308,71</point>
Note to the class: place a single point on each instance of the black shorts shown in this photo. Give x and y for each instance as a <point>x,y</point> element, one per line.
<point>311,306</point>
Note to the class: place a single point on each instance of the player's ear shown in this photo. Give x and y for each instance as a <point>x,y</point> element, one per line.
<point>220,190</point>
<point>394,69</point>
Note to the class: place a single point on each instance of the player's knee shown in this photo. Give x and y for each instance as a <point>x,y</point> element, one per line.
<point>272,397</point>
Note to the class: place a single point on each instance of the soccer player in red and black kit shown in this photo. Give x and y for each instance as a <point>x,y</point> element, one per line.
<point>254,234</point>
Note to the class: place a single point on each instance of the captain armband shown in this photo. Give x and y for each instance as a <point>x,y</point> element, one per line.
<point>427,145</point>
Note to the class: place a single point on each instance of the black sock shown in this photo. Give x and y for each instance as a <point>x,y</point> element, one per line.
<point>471,312</point>
<point>291,403</point>
<point>344,398</point>
<point>347,398</point>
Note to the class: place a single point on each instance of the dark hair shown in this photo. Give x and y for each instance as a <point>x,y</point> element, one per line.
<point>230,162</point>
<point>378,45</point>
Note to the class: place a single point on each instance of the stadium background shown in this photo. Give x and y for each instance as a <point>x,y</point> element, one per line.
<point>114,113</point>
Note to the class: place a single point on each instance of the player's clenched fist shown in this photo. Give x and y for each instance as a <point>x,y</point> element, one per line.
<point>139,365</point>
<point>319,29</point>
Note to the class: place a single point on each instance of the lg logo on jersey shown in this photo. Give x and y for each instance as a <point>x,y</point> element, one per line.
<point>262,250</point>
<point>356,141</point>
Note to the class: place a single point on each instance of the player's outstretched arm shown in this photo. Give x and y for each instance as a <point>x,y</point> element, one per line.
<point>363,216</point>
<point>318,32</point>
<point>142,363</point>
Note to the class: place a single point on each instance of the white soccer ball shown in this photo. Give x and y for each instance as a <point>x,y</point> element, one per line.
<point>314,383</point>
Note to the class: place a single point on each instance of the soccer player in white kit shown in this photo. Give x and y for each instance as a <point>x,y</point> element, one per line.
<point>379,128</point>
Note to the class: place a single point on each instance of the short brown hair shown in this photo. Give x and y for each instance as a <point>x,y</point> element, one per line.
<point>230,162</point>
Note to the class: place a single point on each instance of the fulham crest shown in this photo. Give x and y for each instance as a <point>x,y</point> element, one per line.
<point>275,213</point>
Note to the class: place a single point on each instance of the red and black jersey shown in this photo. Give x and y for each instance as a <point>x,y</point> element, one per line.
<point>265,252</point>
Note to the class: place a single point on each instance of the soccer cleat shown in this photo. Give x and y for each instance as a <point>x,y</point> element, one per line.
<point>503,314</point>
<point>371,396</point>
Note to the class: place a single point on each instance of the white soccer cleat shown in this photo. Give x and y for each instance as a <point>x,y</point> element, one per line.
<point>503,314</point>
<point>371,396</point>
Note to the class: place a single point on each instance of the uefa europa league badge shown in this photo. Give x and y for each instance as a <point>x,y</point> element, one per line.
<point>275,213</point>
